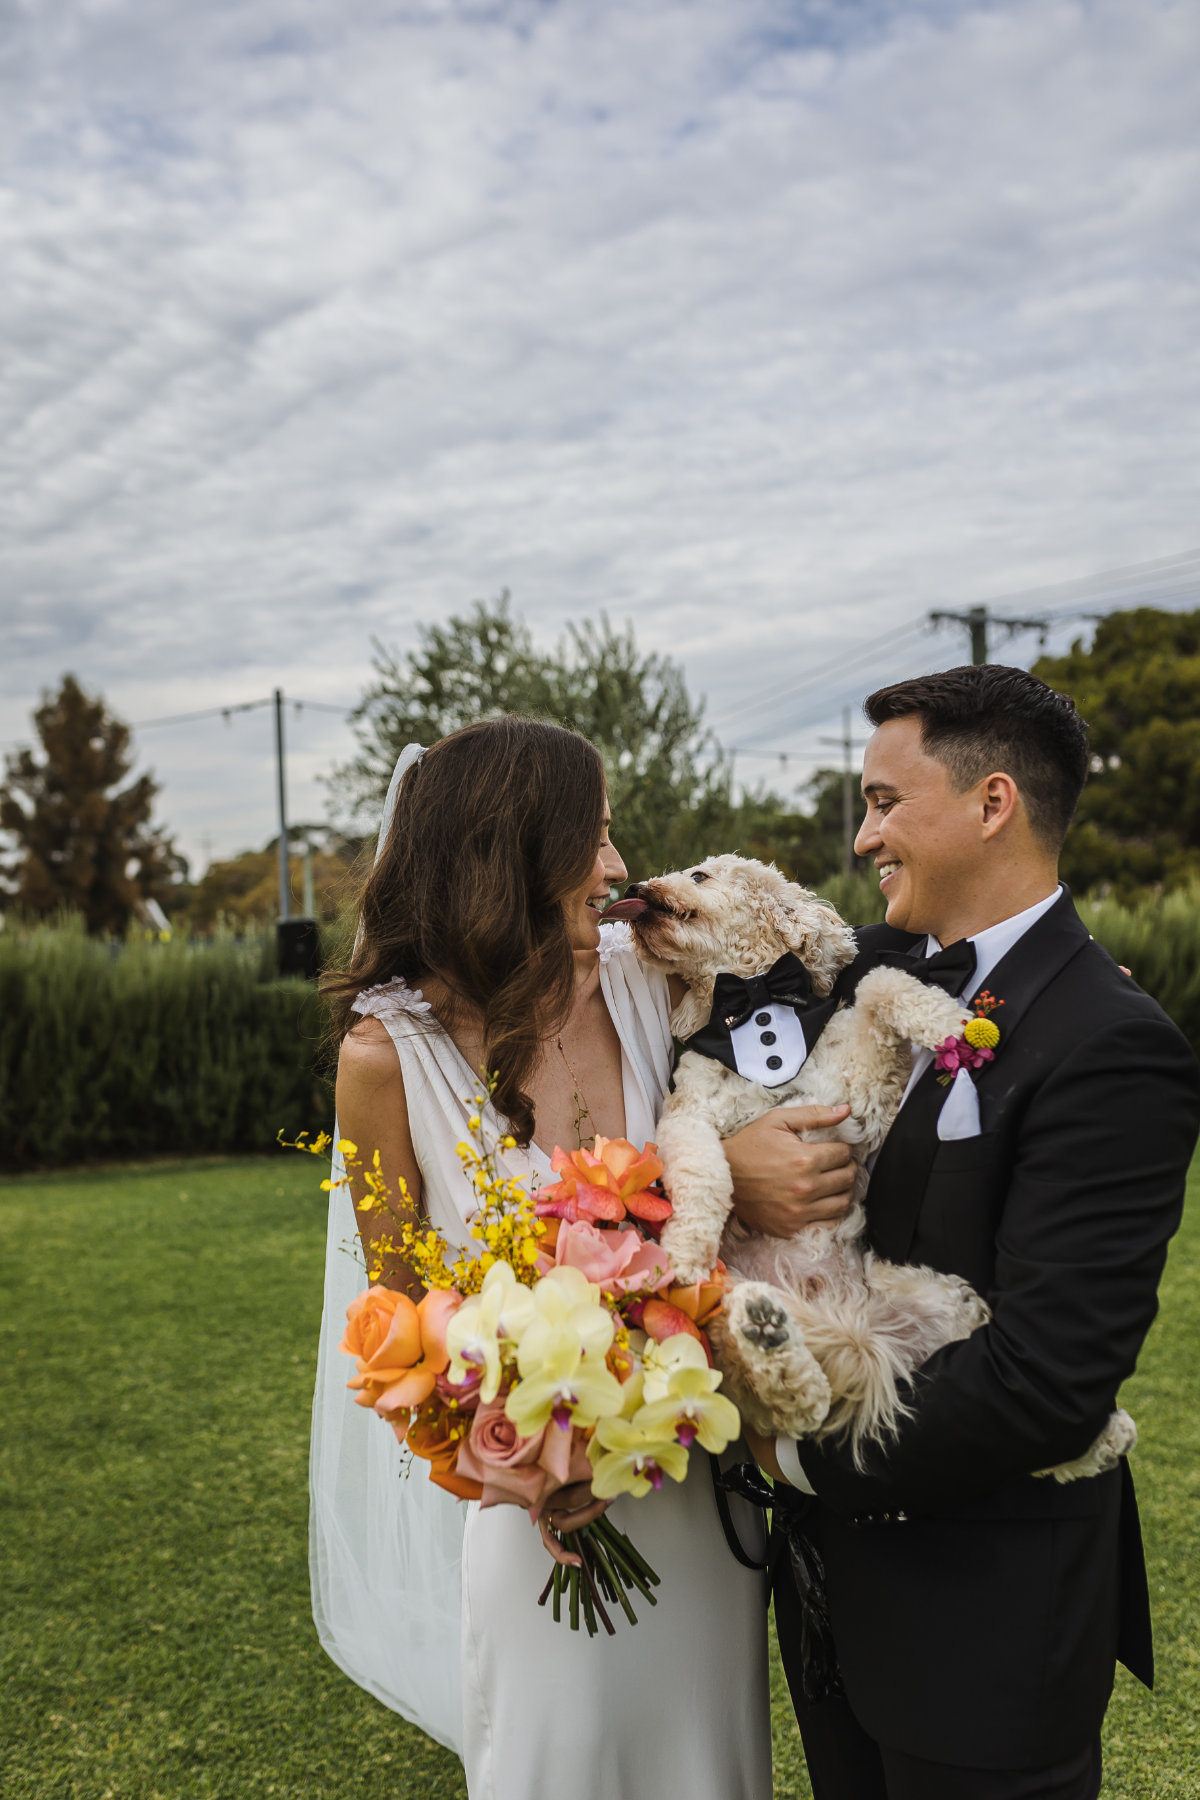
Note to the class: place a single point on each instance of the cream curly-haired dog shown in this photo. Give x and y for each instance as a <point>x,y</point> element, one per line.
<point>817,1334</point>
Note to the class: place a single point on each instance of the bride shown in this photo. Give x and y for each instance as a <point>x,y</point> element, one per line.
<point>480,947</point>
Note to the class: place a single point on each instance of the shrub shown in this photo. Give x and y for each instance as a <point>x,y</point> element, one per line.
<point>113,1050</point>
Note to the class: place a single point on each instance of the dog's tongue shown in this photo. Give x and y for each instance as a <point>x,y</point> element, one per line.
<point>625,909</point>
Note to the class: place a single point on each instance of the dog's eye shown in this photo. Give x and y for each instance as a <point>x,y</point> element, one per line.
<point>700,876</point>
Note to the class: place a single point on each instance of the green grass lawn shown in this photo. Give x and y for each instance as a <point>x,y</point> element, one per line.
<point>158,1329</point>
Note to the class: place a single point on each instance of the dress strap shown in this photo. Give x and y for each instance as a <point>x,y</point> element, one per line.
<point>390,1000</point>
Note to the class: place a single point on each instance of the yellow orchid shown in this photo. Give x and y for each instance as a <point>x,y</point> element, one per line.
<point>565,1299</point>
<point>560,1383</point>
<point>499,1314</point>
<point>661,1362</point>
<point>628,1458</point>
<point>693,1410</point>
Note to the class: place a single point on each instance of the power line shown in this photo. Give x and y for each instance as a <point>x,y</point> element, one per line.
<point>225,712</point>
<point>795,686</point>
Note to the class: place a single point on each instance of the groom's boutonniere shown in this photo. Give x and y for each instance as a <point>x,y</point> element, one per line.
<point>977,1043</point>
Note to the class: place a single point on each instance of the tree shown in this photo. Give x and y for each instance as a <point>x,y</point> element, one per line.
<point>244,889</point>
<point>1138,687</point>
<point>669,780</point>
<point>82,842</point>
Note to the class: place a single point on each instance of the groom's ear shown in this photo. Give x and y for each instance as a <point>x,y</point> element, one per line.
<point>1000,802</point>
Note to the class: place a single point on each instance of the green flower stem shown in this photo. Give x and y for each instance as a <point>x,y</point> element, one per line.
<point>585,1595</point>
<point>625,1549</point>
<point>613,1580</point>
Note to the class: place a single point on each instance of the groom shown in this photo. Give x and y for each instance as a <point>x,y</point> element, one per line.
<point>977,1612</point>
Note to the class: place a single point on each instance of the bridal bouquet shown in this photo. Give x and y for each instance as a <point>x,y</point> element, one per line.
<point>562,1349</point>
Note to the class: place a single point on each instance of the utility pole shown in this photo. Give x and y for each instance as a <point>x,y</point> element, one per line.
<point>310,897</point>
<point>977,619</point>
<point>848,746</point>
<point>285,885</point>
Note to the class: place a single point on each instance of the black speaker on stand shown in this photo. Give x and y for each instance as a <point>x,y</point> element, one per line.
<point>299,945</point>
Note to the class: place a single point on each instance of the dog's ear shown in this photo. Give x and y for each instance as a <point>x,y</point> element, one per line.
<point>817,934</point>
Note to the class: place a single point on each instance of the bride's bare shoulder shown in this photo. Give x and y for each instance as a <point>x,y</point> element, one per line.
<point>367,1058</point>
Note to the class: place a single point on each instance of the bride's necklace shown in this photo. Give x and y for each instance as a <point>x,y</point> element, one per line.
<point>582,1109</point>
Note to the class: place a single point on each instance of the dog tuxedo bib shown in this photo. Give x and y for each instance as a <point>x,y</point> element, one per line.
<point>763,1027</point>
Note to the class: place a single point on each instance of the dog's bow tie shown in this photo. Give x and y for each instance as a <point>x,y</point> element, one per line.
<point>783,1001</point>
<point>786,983</point>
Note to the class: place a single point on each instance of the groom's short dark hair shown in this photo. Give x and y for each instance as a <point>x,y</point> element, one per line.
<point>986,717</point>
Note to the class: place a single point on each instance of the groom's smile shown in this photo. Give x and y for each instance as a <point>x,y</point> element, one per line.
<point>929,841</point>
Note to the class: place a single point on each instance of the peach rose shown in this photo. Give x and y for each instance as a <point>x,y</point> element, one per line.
<point>520,1471</point>
<point>400,1348</point>
<point>383,1334</point>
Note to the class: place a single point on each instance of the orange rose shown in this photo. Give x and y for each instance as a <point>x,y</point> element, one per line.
<point>383,1334</point>
<point>701,1299</point>
<point>661,1320</point>
<point>400,1348</point>
<point>435,1440</point>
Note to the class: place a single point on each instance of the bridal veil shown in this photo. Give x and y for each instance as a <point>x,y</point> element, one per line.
<point>385,1544</point>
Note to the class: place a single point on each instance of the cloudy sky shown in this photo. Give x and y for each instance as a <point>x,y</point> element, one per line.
<point>763,325</point>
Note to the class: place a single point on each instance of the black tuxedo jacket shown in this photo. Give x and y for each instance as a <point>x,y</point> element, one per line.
<point>981,1627</point>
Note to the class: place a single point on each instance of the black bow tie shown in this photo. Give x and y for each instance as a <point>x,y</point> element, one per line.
<point>951,970</point>
<point>737,998</point>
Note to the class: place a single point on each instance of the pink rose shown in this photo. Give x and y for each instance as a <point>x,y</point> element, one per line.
<point>516,1470</point>
<point>619,1262</point>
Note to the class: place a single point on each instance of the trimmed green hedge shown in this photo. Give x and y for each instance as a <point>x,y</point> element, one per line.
<point>149,1048</point>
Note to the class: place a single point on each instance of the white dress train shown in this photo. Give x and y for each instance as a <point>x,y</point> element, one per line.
<point>676,1706</point>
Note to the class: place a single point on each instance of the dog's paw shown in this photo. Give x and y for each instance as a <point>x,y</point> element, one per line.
<point>1115,1441</point>
<point>764,1323</point>
<point>973,1309</point>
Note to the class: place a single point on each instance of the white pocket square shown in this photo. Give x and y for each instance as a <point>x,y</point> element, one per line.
<point>959,1117</point>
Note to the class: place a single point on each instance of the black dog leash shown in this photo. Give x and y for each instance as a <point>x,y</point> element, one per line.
<point>820,1678</point>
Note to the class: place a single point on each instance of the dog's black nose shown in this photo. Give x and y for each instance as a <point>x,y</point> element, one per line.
<point>631,906</point>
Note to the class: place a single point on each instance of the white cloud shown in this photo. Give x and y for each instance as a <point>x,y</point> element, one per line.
<point>764,326</point>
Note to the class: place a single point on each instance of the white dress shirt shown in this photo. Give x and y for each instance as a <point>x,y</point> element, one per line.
<point>990,946</point>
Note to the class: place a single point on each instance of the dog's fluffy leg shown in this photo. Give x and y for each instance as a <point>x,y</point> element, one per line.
<point>900,1008</point>
<point>1115,1441</point>
<point>770,1372</point>
<point>699,1185</point>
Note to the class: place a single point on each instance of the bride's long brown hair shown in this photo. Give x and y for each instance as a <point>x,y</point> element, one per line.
<point>493,829</point>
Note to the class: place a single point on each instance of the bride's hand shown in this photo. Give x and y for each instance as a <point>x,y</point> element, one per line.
<point>568,1509</point>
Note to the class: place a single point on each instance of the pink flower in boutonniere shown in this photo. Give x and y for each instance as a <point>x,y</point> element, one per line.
<point>975,1046</point>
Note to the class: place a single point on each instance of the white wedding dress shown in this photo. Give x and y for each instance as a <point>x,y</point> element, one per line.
<point>431,1604</point>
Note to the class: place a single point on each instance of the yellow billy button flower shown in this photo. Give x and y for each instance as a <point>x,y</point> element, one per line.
<point>499,1314</point>
<point>560,1384</point>
<point>628,1458</point>
<point>982,1034</point>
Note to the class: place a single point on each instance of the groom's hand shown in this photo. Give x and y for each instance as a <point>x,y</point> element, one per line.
<point>781,1183</point>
